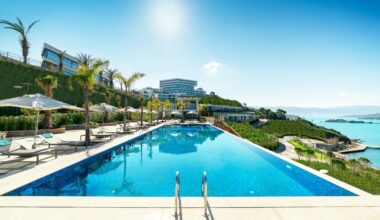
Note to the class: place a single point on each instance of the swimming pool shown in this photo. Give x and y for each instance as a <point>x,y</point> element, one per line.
<point>146,166</point>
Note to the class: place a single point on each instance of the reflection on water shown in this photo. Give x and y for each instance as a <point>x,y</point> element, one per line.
<point>109,172</point>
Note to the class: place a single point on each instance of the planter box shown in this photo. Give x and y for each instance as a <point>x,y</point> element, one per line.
<point>21,133</point>
<point>79,127</point>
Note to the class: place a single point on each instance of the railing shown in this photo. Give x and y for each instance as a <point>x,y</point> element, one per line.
<point>176,192</point>
<point>18,58</point>
<point>204,191</point>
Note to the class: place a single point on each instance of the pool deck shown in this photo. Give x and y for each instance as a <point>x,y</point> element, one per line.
<point>364,206</point>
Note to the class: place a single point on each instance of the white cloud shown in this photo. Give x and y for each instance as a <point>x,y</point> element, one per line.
<point>212,68</point>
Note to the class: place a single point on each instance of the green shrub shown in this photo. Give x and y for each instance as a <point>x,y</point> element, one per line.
<point>301,128</point>
<point>12,74</point>
<point>255,135</point>
<point>13,123</point>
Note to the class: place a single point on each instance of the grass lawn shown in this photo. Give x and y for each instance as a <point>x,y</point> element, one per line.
<point>255,135</point>
<point>365,179</point>
<point>317,154</point>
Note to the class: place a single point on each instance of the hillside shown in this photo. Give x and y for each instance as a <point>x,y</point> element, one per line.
<point>12,74</point>
<point>216,100</point>
<point>330,112</point>
<point>301,128</point>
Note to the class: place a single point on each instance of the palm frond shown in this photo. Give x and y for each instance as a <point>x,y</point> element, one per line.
<point>31,25</point>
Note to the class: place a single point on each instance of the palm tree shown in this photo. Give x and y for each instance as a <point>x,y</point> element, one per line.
<point>128,83</point>
<point>310,152</point>
<point>110,76</point>
<point>47,83</point>
<point>299,152</point>
<point>107,99</point>
<point>181,105</point>
<point>201,107</point>
<point>141,109</point>
<point>19,27</point>
<point>150,106</point>
<point>118,100</point>
<point>85,59</point>
<point>167,106</point>
<point>61,57</point>
<point>85,77</point>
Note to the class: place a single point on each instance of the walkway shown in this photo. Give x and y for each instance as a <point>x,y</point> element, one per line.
<point>162,208</point>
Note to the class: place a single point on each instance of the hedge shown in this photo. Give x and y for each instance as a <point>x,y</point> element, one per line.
<point>12,74</point>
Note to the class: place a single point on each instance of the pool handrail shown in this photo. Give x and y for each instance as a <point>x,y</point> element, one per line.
<point>176,192</point>
<point>204,191</point>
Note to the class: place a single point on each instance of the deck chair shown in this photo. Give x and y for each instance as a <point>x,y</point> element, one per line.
<point>18,150</point>
<point>98,135</point>
<point>52,140</point>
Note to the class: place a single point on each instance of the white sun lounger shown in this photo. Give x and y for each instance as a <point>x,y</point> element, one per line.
<point>18,150</point>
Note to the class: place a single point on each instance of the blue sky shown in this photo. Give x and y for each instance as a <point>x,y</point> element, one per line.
<point>265,53</point>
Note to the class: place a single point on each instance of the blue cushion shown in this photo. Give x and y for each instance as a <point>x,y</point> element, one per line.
<point>47,136</point>
<point>4,142</point>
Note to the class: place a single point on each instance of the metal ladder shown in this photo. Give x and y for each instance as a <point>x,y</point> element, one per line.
<point>177,188</point>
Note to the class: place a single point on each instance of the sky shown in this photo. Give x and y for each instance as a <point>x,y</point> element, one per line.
<point>307,53</point>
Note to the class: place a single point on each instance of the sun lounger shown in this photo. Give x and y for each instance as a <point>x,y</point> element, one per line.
<point>99,135</point>
<point>6,146</point>
<point>52,140</point>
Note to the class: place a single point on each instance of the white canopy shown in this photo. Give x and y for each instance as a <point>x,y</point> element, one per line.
<point>37,102</point>
<point>129,109</point>
<point>176,113</point>
<point>192,112</point>
<point>103,107</point>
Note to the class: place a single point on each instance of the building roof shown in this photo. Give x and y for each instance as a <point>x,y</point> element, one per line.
<point>58,51</point>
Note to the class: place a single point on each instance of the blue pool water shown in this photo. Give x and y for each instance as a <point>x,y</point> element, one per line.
<point>146,167</point>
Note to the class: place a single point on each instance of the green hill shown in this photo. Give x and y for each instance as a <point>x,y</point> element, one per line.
<point>12,74</point>
<point>301,128</point>
<point>216,100</point>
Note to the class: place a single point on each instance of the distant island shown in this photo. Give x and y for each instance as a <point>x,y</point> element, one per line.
<point>347,121</point>
<point>370,116</point>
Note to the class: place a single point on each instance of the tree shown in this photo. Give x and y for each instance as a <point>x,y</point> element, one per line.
<point>338,162</point>
<point>19,27</point>
<point>141,109</point>
<point>157,105</point>
<point>47,83</point>
<point>118,101</point>
<point>85,60</point>
<point>107,99</point>
<point>128,83</point>
<point>281,114</point>
<point>299,152</point>
<point>167,105</point>
<point>365,162</point>
<point>201,107</point>
<point>181,105</point>
<point>310,152</point>
<point>150,105</point>
<point>85,77</point>
<point>353,163</point>
<point>61,57</point>
<point>110,76</point>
